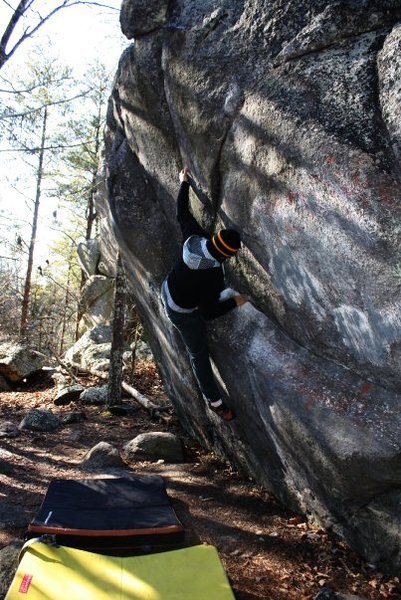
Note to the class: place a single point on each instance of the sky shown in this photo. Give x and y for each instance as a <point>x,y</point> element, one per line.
<point>77,36</point>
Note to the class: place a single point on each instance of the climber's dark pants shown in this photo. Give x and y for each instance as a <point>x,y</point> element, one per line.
<point>192,328</point>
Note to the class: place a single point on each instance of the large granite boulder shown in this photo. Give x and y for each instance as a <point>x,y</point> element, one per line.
<point>17,361</point>
<point>287,115</point>
<point>92,350</point>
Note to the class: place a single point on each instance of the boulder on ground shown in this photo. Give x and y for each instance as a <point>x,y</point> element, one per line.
<point>101,456</point>
<point>154,446</point>
<point>94,395</point>
<point>17,361</point>
<point>68,394</point>
<point>8,564</point>
<point>8,429</point>
<point>92,350</point>
<point>40,420</point>
<point>76,416</point>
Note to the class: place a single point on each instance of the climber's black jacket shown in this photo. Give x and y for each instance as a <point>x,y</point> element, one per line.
<point>197,278</point>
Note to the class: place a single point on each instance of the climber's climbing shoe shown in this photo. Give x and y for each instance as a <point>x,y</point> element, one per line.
<point>222,411</point>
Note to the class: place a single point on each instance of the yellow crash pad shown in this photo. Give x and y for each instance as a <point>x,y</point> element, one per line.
<point>53,573</point>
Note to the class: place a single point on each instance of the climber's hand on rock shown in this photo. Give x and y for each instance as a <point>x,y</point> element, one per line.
<point>241,299</point>
<point>184,173</point>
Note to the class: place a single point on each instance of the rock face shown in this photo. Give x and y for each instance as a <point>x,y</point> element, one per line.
<point>18,361</point>
<point>287,115</point>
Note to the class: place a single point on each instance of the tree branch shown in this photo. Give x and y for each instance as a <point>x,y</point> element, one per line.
<point>47,104</point>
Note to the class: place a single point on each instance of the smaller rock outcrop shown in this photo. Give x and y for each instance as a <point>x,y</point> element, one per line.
<point>92,350</point>
<point>94,395</point>
<point>76,416</point>
<point>68,394</point>
<point>17,361</point>
<point>101,456</point>
<point>154,446</point>
<point>8,429</point>
<point>40,420</point>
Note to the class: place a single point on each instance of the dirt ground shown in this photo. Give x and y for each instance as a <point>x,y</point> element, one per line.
<point>268,553</point>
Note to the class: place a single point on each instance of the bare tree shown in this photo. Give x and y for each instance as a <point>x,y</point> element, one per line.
<point>117,343</point>
<point>32,18</point>
<point>28,278</point>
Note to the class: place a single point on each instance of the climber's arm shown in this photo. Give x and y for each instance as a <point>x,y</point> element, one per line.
<point>213,309</point>
<point>189,225</point>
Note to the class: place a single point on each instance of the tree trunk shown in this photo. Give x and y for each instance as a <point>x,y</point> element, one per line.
<point>66,299</point>
<point>28,278</point>
<point>90,210</point>
<point>117,342</point>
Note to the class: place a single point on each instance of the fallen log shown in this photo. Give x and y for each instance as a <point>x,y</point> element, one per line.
<point>140,398</point>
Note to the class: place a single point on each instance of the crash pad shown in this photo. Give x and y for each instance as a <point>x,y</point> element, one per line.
<point>56,572</point>
<point>108,514</point>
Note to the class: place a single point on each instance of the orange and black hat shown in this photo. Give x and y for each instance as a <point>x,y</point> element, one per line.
<point>226,242</point>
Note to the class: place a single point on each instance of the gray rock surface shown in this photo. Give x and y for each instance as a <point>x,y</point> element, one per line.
<point>287,115</point>
<point>18,361</point>
<point>88,253</point>
<point>101,456</point>
<point>8,429</point>
<point>94,395</point>
<point>40,420</point>
<point>67,394</point>
<point>154,446</point>
<point>8,564</point>
<point>97,300</point>
<point>92,350</point>
<point>142,16</point>
<point>76,416</point>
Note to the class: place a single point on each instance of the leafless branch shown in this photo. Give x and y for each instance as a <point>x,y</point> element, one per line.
<point>60,147</point>
<point>35,110</point>
<point>29,32</point>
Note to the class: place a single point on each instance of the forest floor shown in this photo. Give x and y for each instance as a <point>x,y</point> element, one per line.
<point>268,552</point>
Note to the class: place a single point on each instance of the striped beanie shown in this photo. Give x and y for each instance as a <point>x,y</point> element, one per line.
<point>226,242</point>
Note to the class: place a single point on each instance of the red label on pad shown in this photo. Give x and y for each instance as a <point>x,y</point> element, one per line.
<point>25,583</point>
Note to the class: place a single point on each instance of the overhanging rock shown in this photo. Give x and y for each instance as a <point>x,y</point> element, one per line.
<point>287,119</point>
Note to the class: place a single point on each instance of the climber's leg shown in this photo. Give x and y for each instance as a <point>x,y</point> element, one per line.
<point>192,329</point>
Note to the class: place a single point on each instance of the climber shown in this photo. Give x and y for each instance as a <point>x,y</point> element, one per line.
<point>191,293</point>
